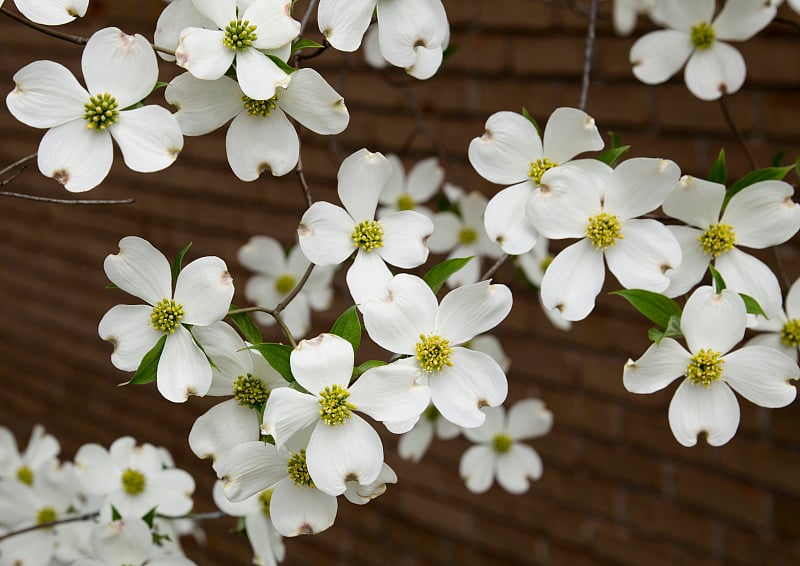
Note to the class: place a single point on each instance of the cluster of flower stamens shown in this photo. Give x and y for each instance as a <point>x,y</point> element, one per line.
<point>467,236</point>
<point>790,333</point>
<point>501,443</point>
<point>166,315</point>
<point>25,475</point>
<point>718,239</point>
<point>133,481</point>
<point>45,515</point>
<point>250,391</point>
<point>368,235</point>
<point>705,367</point>
<point>239,35</point>
<point>260,108</point>
<point>100,112</point>
<point>539,168</point>
<point>264,499</point>
<point>284,284</point>
<point>334,409</point>
<point>298,470</point>
<point>703,35</point>
<point>604,230</point>
<point>434,353</point>
<point>405,202</point>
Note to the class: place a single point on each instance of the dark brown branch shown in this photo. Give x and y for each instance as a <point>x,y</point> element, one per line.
<point>737,132</point>
<point>76,519</point>
<point>587,55</point>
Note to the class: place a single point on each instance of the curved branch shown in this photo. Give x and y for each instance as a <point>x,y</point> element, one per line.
<point>65,201</point>
<point>22,531</point>
<point>44,29</point>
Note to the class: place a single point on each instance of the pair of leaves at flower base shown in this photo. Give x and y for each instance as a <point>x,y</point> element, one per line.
<point>666,313</point>
<point>149,519</point>
<point>719,174</point>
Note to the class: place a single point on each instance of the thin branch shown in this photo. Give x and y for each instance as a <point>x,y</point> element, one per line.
<point>491,271</point>
<point>44,29</point>
<point>274,314</point>
<point>78,518</point>
<point>307,16</point>
<point>297,288</point>
<point>419,118</point>
<point>587,55</point>
<point>303,183</point>
<point>162,49</point>
<point>18,163</point>
<point>66,201</point>
<point>787,21</point>
<point>737,132</point>
<point>211,515</point>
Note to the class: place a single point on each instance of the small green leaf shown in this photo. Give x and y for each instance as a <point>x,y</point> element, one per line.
<point>246,326</point>
<point>146,372</point>
<point>277,355</point>
<point>766,174</point>
<point>655,335</point>
<point>111,286</point>
<point>611,156</point>
<point>752,305</point>
<point>778,159</point>
<point>655,306</point>
<point>304,43</point>
<point>115,516</point>
<point>366,366</point>
<point>176,265</point>
<point>532,120</point>
<point>615,141</point>
<point>673,330</point>
<point>438,274</point>
<point>149,517</point>
<point>282,65</point>
<point>348,326</point>
<point>719,171</point>
<point>719,282</point>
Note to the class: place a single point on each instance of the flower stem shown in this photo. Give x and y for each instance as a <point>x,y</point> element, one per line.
<point>736,131</point>
<point>274,314</point>
<point>495,267</point>
<point>75,519</point>
<point>587,55</point>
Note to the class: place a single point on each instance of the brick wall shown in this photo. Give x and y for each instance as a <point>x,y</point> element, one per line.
<point>617,488</point>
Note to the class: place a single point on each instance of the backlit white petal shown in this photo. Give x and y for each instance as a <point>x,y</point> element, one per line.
<point>506,221</point>
<point>149,137</point>
<point>405,234</point>
<point>763,214</point>
<point>684,14</point>
<point>368,277</point>
<point>746,274</point>
<point>713,320</point>
<point>739,20</point>
<point>140,269</point>
<point>289,411</point>
<point>256,144</point>
<point>314,103</point>
<point>391,392</point>
<point>413,444</point>
<point>491,427</point>
<point>476,468</point>
<point>694,262</point>
<point>695,409</point>
<point>301,510</point>
<point>272,19</point>
<point>205,289</point>
<point>517,466</point>
<point>640,185</point>
<point>471,310</point>
<point>695,201</point>
<point>263,254</point>
<point>201,52</point>
<point>221,428</point>
<point>344,22</point>
<point>203,106</point>
<point>427,62</point>
<point>183,369</point>
<point>762,375</point>
<point>46,95</point>
<point>250,468</point>
<point>529,418</point>
<point>176,17</point>
<point>53,12</point>
<point>568,132</point>
<point>562,206</point>
<point>659,366</point>
<point>63,155</point>
<point>640,259</point>
<point>258,75</point>
<point>503,154</point>
<point>407,25</point>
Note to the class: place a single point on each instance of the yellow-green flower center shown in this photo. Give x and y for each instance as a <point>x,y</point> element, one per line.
<point>25,475</point>
<point>250,391</point>
<point>260,108</point>
<point>405,202</point>
<point>718,239</point>
<point>100,112</point>
<point>434,353</point>
<point>239,35</point>
<point>705,367</point>
<point>133,481</point>
<point>703,35</point>
<point>432,413</point>
<point>264,499</point>
<point>298,470</point>
<point>467,236</point>
<point>539,168</point>
<point>604,230</point>
<point>166,315</point>
<point>368,235</point>
<point>790,333</point>
<point>501,443</point>
<point>333,406</point>
<point>284,284</point>
<point>45,515</point>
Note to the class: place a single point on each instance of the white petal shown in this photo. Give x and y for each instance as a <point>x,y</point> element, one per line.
<point>529,419</point>
<point>127,541</point>
<point>516,466</point>
<point>695,201</point>
<point>476,468</point>
<point>183,369</point>
<point>221,12</point>
<point>566,200</point>
<point>272,19</point>
<point>763,214</point>
<point>391,392</point>
<point>491,427</point>
<point>344,22</point>
<point>362,177</point>
<point>202,53</point>
<point>149,137</point>
<point>447,226</point>
<point>659,366</point>
<point>63,155</point>
<point>172,489</point>
<point>793,300</point>
<point>684,14</point>
<point>405,233</point>
<point>746,274</point>
<point>205,289</point>
<point>413,444</point>
<point>250,468</point>
<point>711,320</point>
<point>348,452</point>
<point>263,254</point>
<point>123,65</point>
<point>46,95</point>
<point>368,277</point>
<point>361,494</point>
<point>203,106</point>
<point>715,71</point>
<point>694,262</point>
<point>258,75</point>
<point>640,185</point>
<point>570,131</point>
<point>641,257</point>
<point>289,411</point>
<point>471,310</point>
<point>234,508</point>
<point>52,13</point>
<point>140,269</point>
<point>695,409</point>
<point>322,362</point>
<point>427,62</point>
<point>372,49</point>
<point>395,186</point>
<point>503,154</point>
<point>176,17</point>
<point>739,20</point>
<point>506,221</point>
<point>256,144</point>
<point>406,25</point>
<point>325,234</point>
<point>762,375</point>
<point>301,510</point>
<point>310,100</point>
<point>773,340</point>
<point>223,427</point>
<point>128,327</point>
<point>659,55</point>
<point>573,280</point>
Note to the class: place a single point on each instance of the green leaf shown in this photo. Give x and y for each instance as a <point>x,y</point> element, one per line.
<point>149,517</point>
<point>176,265</point>
<point>531,120</point>
<point>115,516</point>
<point>146,372</point>
<point>719,171</point>
<point>283,65</point>
<point>246,326</point>
<point>778,159</point>
<point>348,326</point>
<point>656,307</point>
<point>277,355</point>
<point>438,274</point>
<point>304,43</point>
<point>111,286</point>
<point>366,366</point>
<point>449,51</point>
<point>719,282</point>
<point>611,156</point>
<point>615,141</point>
<point>766,174</point>
<point>752,305</point>
<point>673,330</point>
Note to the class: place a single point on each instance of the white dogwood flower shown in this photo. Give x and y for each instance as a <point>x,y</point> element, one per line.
<point>407,192</point>
<point>781,330</point>
<point>120,70</point>
<point>52,12</point>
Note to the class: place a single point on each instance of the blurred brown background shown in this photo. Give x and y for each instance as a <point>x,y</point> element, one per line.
<point>617,488</point>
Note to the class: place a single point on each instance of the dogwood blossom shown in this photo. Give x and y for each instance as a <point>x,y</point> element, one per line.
<point>407,192</point>
<point>40,452</point>
<point>781,328</point>
<point>53,12</point>
<point>120,71</point>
